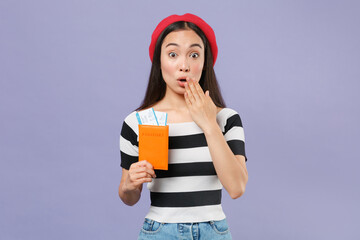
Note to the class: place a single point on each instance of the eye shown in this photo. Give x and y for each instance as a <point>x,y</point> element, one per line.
<point>194,55</point>
<point>172,54</point>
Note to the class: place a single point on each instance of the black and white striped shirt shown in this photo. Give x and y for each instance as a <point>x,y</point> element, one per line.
<point>189,191</point>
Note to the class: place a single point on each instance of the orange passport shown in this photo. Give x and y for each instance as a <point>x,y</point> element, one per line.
<point>154,145</point>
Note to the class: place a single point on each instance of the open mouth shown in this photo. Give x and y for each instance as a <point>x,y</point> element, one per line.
<point>182,82</point>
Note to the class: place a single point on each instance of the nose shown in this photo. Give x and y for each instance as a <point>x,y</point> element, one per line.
<point>184,66</point>
<point>184,69</point>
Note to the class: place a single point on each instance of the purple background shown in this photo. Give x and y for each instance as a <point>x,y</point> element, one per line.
<point>70,71</point>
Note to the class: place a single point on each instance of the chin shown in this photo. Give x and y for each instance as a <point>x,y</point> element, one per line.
<point>181,92</point>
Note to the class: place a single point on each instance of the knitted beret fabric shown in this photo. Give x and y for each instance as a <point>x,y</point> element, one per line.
<point>188,17</point>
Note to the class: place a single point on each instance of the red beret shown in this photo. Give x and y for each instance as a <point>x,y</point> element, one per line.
<point>208,31</point>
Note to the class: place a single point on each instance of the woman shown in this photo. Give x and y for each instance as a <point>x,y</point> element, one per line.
<point>206,139</point>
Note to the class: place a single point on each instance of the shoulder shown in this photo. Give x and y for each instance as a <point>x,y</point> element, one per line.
<point>131,118</point>
<point>226,113</point>
<point>131,123</point>
<point>227,117</point>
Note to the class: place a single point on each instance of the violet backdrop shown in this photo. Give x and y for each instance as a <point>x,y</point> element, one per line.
<point>70,71</point>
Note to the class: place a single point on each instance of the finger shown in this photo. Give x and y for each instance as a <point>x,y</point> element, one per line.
<point>140,171</point>
<point>143,164</point>
<point>150,172</point>
<point>187,100</point>
<point>150,169</point>
<point>138,176</point>
<point>207,95</point>
<point>145,167</point>
<point>139,182</point>
<point>143,180</point>
<point>138,164</point>
<point>199,90</point>
<point>146,178</point>
<point>193,90</point>
<point>189,93</point>
<point>148,165</point>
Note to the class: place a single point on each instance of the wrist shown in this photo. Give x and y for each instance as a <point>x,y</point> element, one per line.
<point>129,189</point>
<point>211,128</point>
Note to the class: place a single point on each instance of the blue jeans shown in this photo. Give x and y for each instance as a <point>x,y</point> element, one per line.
<point>213,230</point>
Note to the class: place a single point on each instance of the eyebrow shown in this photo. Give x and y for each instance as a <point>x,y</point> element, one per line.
<point>177,45</point>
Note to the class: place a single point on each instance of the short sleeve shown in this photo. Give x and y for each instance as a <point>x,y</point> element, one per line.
<point>234,133</point>
<point>129,145</point>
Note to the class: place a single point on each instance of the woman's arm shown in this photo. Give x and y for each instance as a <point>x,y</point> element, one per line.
<point>230,169</point>
<point>132,180</point>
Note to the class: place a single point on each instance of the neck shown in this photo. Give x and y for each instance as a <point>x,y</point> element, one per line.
<point>173,101</point>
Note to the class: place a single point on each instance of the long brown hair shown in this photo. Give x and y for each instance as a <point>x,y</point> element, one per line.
<point>156,86</point>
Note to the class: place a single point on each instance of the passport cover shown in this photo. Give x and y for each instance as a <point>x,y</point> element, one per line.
<point>154,145</point>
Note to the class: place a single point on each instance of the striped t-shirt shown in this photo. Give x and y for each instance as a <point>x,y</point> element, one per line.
<point>189,191</point>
